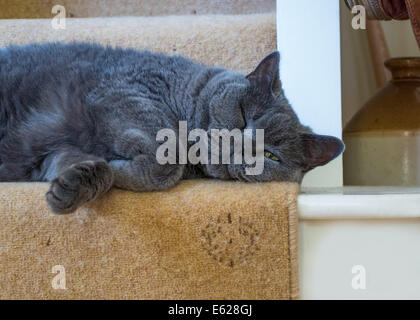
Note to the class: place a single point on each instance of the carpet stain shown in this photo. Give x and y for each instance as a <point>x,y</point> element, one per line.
<point>230,240</point>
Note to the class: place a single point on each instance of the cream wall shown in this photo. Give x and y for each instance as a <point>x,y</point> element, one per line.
<point>358,82</point>
<point>357,77</point>
<point>400,37</point>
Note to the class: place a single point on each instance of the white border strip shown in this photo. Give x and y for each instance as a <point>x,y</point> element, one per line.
<point>342,206</point>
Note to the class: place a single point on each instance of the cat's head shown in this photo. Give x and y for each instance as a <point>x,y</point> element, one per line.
<point>257,101</point>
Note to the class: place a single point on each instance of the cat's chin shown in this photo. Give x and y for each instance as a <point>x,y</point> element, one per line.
<point>217,171</point>
<point>230,172</point>
<point>238,173</point>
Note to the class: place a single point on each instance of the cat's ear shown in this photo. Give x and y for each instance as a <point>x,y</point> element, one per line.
<point>319,150</point>
<point>266,74</point>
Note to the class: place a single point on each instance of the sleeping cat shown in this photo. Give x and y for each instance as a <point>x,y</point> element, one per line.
<point>85,117</point>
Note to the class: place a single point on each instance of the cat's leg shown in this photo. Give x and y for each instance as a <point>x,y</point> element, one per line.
<point>13,173</point>
<point>76,178</point>
<point>141,171</point>
<point>3,173</point>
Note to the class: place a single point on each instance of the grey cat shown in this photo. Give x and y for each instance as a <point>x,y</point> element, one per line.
<point>85,117</point>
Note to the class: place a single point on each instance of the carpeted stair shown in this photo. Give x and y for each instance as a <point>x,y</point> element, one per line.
<point>201,240</point>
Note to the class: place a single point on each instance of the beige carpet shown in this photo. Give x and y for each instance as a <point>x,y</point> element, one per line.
<point>202,240</point>
<point>17,9</point>
<point>222,40</point>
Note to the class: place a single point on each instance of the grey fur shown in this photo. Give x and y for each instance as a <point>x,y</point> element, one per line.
<point>85,117</point>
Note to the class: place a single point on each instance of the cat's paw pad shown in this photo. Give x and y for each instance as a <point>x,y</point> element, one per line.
<point>77,185</point>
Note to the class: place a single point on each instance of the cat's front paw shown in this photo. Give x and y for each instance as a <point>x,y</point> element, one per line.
<point>77,185</point>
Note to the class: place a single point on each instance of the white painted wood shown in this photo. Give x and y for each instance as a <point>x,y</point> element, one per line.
<point>387,249</point>
<point>375,227</point>
<point>308,33</point>
<point>359,203</point>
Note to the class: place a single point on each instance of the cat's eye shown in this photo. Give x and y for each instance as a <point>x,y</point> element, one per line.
<point>270,156</point>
